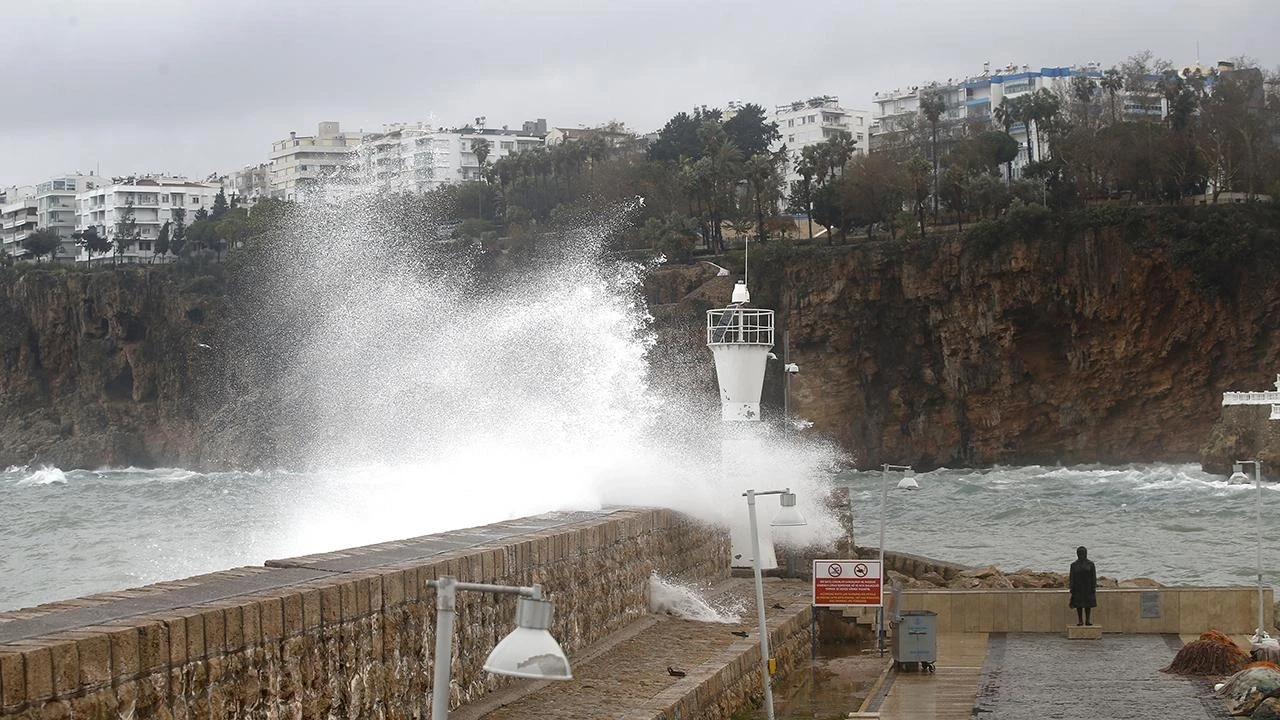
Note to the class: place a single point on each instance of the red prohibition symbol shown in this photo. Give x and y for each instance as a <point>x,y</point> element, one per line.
<point>860,570</point>
<point>835,569</point>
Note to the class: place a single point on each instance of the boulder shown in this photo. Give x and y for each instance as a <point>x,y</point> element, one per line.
<point>1140,582</point>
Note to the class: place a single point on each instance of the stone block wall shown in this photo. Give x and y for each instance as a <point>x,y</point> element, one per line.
<point>1182,610</point>
<point>346,634</point>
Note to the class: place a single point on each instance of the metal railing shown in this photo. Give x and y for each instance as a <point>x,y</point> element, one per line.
<point>737,325</point>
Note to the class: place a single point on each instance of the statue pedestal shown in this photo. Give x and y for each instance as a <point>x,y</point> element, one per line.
<point>1084,632</point>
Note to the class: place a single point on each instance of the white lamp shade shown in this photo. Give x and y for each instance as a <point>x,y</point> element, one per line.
<point>789,515</point>
<point>1239,478</point>
<point>530,651</point>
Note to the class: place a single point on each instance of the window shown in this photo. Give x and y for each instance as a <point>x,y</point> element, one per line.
<point>507,145</point>
<point>144,246</point>
<point>791,122</point>
<point>195,200</point>
<point>164,199</point>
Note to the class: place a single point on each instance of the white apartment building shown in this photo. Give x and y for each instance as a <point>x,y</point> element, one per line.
<point>419,158</point>
<point>248,184</point>
<point>50,204</point>
<point>299,162</point>
<point>975,98</point>
<point>18,219</point>
<point>811,122</point>
<point>154,201</point>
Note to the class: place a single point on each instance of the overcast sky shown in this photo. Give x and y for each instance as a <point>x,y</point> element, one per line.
<point>197,86</point>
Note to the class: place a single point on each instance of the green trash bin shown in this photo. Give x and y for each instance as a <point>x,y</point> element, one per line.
<point>915,640</point>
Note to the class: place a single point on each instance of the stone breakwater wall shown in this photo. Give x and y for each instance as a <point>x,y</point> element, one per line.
<point>347,634</point>
<point>736,683</point>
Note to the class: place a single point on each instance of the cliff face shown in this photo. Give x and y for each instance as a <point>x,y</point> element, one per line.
<point>1087,350</point>
<point>102,368</point>
<point>937,352</point>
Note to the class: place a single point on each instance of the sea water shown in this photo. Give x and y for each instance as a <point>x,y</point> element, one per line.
<point>73,533</point>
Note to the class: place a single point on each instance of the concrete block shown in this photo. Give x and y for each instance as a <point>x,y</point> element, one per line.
<point>292,607</point>
<point>66,667</point>
<point>124,653</point>
<point>347,597</point>
<point>362,595</point>
<point>234,616</point>
<point>330,605</point>
<point>38,662</point>
<point>1084,632</point>
<point>271,618</point>
<point>251,624</point>
<point>215,632</point>
<point>13,684</point>
<point>392,590</point>
<point>153,646</point>
<point>311,616</point>
<point>195,635</point>
<point>94,656</point>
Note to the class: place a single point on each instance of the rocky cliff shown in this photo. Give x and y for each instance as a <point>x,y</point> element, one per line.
<point>1106,345</point>
<point>104,368</point>
<point>1111,344</point>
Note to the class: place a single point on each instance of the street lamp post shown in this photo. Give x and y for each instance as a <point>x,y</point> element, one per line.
<point>1237,477</point>
<point>884,500</point>
<point>529,651</point>
<point>789,515</point>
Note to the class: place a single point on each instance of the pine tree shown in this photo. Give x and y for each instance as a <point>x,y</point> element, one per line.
<point>219,207</point>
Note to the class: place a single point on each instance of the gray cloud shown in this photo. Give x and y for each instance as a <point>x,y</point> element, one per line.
<point>197,86</point>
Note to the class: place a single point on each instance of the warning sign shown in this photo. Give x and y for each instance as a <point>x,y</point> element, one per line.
<point>847,582</point>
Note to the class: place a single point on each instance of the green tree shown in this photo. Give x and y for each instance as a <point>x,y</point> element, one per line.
<point>919,181</point>
<point>161,247</point>
<point>178,238</point>
<point>41,242</point>
<point>1082,91</point>
<point>673,234</point>
<point>199,236</point>
<point>932,107</point>
<point>764,180</point>
<point>718,172</point>
<point>219,206</point>
<point>1112,82</point>
<point>201,214</point>
<point>92,242</point>
<point>126,231</point>
<point>681,136</point>
<point>751,130</point>
<point>481,147</point>
<point>954,189</point>
<point>1009,113</point>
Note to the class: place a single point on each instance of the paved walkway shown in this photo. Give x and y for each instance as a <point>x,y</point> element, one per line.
<point>626,676</point>
<point>1021,676</point>
<point>947,693</point>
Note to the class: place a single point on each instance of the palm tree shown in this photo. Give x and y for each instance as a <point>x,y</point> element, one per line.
<point>932,106</point>
<point>763,178</point>
<point>1008,113</point>
<point>1082,90</point>
<point>1112,82</point>
<point>481,147</point>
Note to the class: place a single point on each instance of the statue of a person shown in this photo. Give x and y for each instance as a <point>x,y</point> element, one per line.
<point>1084,586</point>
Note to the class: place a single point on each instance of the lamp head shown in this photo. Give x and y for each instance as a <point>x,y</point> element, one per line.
<point>529,651</point>
<point>1237,476</point>
<point>788,515</point>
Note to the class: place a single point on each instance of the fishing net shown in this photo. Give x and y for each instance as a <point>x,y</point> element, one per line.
<point>1208,657</point>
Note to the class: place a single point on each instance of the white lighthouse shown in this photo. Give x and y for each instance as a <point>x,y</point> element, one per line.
<point>741,338</point>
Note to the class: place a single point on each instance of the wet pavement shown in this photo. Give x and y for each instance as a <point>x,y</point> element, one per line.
<point>1021,676</point>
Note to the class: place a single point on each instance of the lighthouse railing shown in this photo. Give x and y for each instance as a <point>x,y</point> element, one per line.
<point>740,326</point>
